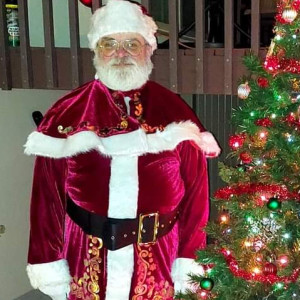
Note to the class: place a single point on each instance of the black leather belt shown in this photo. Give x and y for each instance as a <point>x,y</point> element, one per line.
<point>118,233</point>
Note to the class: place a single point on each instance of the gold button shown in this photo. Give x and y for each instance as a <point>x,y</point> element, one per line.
<point>125,235</point>
<point>162,225</point>
<point>133,232</point>
<point>170,222</point>
<point>144,230</point>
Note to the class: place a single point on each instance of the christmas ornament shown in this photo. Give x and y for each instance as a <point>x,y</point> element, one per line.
<point>246,157</point>
<point>259,139</point>
<point>274,204</point>
<point>272,64</point>
<point>207,284</point>
<point>244,90</point>
<point>295,85</point>
<point>270,269</point>
<point>236,141</point>
<point>296,4</point>
<point>202,295</point>
<point>295,97</point>
<point>241,168</point>
<point>87,3</point>
<point>289,14</point>
<point>262,82</point>
<point>265,122</point>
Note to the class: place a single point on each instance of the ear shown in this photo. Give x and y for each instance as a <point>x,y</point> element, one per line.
<point>148,50</point>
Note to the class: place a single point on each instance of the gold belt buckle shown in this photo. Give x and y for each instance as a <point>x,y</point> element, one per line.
<point>155,227</point>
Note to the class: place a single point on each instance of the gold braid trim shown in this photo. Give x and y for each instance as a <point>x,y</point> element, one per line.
<point>147,287</point>
<point>87,287</point>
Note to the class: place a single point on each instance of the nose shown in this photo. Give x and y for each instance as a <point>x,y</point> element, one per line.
<point>121,52</point>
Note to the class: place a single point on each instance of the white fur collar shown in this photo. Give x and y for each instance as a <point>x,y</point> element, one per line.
<point>133,143</point>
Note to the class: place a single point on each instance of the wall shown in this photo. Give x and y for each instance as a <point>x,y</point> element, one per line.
<point>16,123</point>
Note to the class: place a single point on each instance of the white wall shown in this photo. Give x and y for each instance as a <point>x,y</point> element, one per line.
<point>16,123</point>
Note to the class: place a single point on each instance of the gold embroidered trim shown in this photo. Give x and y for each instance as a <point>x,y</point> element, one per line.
<point>87,287</point>
<point>147,287</point>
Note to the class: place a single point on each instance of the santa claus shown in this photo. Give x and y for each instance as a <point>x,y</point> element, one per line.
<point>120,188</point>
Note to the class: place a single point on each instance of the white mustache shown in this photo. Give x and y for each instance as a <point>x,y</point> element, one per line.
<point>122,61</point>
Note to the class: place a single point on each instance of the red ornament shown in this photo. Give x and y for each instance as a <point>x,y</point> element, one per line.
<point>296,4</point>
<point>237,141</point>
<point>87,3</point>
<point>262,82</point>
<point>246,157</point>
<point>270,269</point>
<point>272,64</point>
<point>265,122</point>
<point>291,118</point>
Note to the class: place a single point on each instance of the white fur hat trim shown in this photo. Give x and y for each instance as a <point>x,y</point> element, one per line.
<point>120,16</point>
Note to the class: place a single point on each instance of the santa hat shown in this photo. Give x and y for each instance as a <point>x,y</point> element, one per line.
<point>119,16</point>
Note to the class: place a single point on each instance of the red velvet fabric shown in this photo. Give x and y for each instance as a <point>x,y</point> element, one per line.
<point>167,180</point>
<point>93,103</point>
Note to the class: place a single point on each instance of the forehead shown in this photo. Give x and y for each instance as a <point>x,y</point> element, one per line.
<point>125,36</point>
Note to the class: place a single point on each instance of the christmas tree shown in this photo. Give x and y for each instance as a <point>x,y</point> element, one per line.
<point>255,247</point>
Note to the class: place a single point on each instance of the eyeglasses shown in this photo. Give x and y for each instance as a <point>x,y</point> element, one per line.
<point>110,46</point>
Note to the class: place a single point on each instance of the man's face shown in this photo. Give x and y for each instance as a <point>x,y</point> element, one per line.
<point>122,61</point>
<point>122,58</point>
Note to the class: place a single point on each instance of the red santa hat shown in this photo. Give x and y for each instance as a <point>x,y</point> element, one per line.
<point>120,16</point>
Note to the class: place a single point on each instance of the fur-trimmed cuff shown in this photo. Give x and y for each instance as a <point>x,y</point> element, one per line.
<point>52,278</point>
<point>209,145</point>
<point>181,268</point>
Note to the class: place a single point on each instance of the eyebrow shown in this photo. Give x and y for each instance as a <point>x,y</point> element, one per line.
<point>112,39</point>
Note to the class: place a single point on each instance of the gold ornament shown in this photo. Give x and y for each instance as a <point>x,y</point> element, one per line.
<point>124,123</point>
<point>63,130</point>
<point>295,84</point>
<point>289,14</point>
<point>244,90</point>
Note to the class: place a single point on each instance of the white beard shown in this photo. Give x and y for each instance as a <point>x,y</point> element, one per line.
<point>126,78</point>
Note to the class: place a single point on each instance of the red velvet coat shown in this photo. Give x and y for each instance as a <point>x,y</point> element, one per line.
<point>120,173</point>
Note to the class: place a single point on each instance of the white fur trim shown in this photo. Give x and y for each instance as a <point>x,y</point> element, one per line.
<point>51,278</point>
<point>131,144</point>
<point>120,265</point>
<point>181,268</point>
<point>123,187</point>
<point>123,198</point>
<point>120,16</point>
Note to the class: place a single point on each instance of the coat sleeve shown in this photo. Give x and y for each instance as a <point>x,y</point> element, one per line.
<point>47,269</point>
<point>194,212</point>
